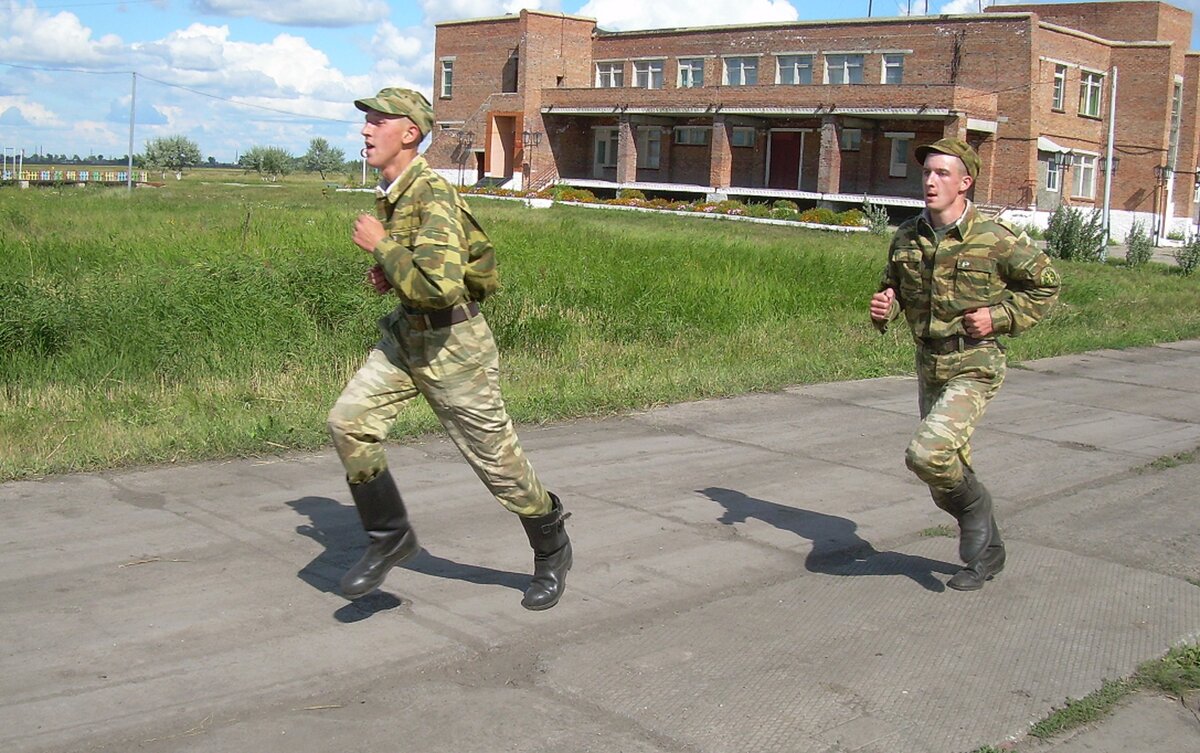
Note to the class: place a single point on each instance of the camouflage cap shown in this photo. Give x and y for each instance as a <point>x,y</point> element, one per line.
<point>955,148</point>
<point>395,101</point>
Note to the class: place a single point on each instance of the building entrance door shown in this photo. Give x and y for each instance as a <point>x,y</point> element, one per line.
<point>787,160</point>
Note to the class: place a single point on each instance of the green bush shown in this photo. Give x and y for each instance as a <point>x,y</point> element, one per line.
<point>783,213</point>
<point>1073,237</point>
<point>730,206</point>
<point>787,204</point>
<point>758,210</point>
<point>819,216</point>
<point>852,218</point>
<point>631,193</point>
<point>877,218</point>
<point>1140,248</point>
<point>1188,255</point>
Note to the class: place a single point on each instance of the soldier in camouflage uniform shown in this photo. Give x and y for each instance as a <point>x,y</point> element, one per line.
<point>960,279</point>
<point>430,251</point>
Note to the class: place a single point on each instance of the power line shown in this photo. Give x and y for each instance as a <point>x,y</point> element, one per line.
<point>197,92</point>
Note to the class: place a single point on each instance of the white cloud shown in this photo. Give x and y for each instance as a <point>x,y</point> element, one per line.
<point>452,10</point>
<point>205,57</point>
<point>621,15</point>
<point>326,13</point>
<point>34,113</point>
<point>29,35</point>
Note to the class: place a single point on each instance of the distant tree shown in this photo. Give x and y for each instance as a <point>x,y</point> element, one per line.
<point>270,162</point>
<point>171,153</point>
<point>322,158</point>
<point>212,161</point>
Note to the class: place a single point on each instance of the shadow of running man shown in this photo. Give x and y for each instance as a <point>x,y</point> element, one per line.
<point>837,549</point>
<point>336,527</point>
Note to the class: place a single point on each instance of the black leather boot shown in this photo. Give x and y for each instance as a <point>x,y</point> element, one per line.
<point>551,557</point>
<point>990,563</point>
<point>971,505</point>
<point>392,540</point>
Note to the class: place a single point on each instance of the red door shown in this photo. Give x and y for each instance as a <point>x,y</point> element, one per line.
<point>785,160</point>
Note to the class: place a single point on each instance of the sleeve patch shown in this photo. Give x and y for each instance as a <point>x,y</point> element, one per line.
<point>1049,277</point>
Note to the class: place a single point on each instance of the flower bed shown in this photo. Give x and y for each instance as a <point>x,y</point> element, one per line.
<point>781,212</point>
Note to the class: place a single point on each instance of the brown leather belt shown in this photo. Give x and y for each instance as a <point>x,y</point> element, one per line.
<point>941,346</point>
<point>420,321</point>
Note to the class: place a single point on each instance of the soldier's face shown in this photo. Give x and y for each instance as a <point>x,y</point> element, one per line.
<point>386,136</point>
<point>945,180</point>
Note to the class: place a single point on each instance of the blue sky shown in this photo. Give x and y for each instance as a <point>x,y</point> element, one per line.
<point>232,74</point>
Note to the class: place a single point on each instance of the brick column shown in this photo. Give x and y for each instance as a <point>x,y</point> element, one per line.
<point>829,164</point>
<point>626,152</point>
<point>720,165</point>
<point>955,127</point>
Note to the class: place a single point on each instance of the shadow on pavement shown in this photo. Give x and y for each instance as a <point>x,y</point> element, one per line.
<point>837,549</point>
<point>336,527</point>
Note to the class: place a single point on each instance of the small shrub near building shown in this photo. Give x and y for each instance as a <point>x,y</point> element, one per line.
<point>877,218</point>
<point>1139,246</point>
<point>1072,236</point>
<point>852,218</point>
<point>631,193</point>
<point>786,204</point>
<point>1188,255</point>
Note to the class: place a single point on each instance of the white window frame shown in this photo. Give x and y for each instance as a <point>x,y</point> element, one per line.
<point>1083,176</point>
<point>743,137</point>
<point>1091,92</point>
<point>1053,176</point>
<point>898,159</point>
<point>694,69</point>
<point>892,62</point>
<point>842,62</point>
<point>692,135</point>
<point>746,64</point>
<point>607,140</point>
<point>648,74</point>
<point>850,140</point>
<point>447,71</point>
<point>795,65</point>
<point>610,75</point>
<point>649,147</point>
<point>1058,98</point>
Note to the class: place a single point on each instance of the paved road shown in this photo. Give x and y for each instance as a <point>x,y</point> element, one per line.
<point>751,575</point>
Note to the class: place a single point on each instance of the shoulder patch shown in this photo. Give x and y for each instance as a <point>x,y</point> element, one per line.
<point>1049,277</point>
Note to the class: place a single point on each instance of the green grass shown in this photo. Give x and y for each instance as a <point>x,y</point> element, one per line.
<point>209,319</point>
<point>940,530</point>
<point>1177,673</point>
<point>1171,461</point>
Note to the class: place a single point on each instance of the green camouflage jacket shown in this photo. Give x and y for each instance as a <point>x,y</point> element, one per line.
<point>435,254</point>
<point>981,262</point>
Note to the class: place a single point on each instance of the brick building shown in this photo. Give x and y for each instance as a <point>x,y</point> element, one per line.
<point>829,112</point>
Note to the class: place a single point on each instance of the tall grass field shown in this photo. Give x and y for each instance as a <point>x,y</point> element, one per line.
<point>203,320</point>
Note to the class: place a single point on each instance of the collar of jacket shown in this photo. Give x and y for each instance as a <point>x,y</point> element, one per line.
<point>401,184</point>
<point>961,227</point>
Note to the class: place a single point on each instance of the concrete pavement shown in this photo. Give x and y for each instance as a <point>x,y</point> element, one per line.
<point>751,575</point>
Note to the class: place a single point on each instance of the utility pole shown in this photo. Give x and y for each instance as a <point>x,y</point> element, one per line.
<point>132,104</point>
<point>1108,162</point>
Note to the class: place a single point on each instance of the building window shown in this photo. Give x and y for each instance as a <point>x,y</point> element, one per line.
<point>691,73</point>
<point>1060,88</point>
<point>744,137</point>
<point>794,69</point>
<point>690,136</point>
<point>1090,87</point>
<point>610,75</point>
<point>893,69</point>
<point>1084,176</point>
<point>606,147</point>
<point>648,74</point>
<point>649,146</point>
<point>447,78</point>
<point>1053,175</point>
<point>843,69</point>
<point>851,139</point>
<point>898,162</point>
<point>741,71</point>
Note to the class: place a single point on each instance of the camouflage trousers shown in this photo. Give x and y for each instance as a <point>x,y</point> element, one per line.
<point>954,390</point>
<point>457,369</point>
